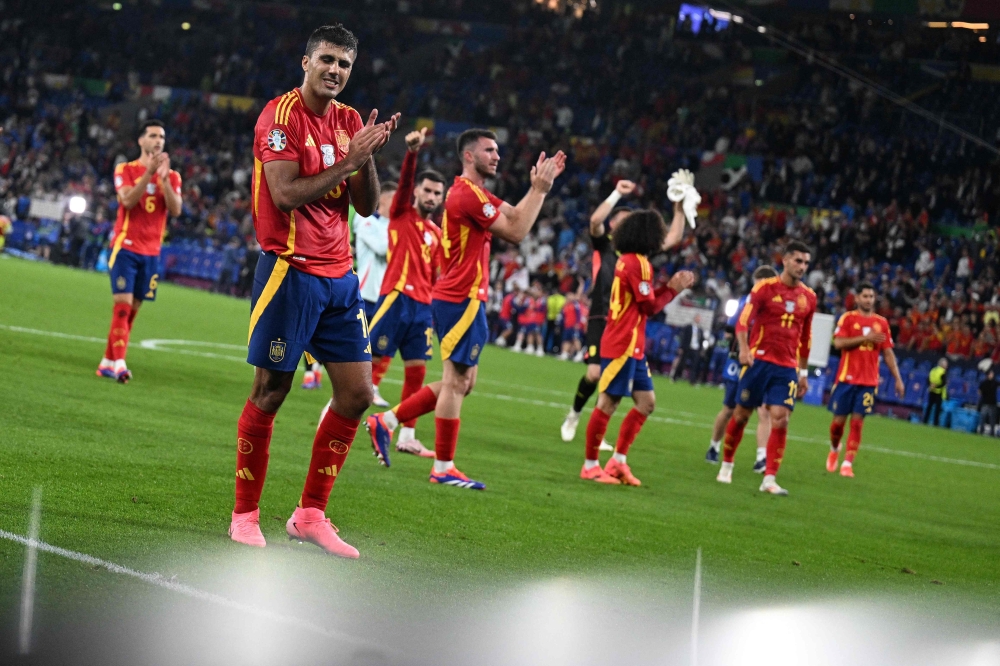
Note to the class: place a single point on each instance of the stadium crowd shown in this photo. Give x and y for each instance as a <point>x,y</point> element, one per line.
<point>880,196</point>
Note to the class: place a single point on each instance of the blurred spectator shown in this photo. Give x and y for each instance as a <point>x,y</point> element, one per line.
<point>988,404</point>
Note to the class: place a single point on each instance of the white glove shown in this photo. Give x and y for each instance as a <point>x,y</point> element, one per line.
<point>677,186</point>
<point>690,205</point>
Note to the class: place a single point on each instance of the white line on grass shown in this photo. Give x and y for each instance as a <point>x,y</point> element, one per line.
<point>186,590</point>
<point>161,346</point>
<point>28,580</point>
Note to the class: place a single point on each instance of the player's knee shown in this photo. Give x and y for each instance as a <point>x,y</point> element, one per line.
<point>355,401</point>
<point>593,373</point>
<point>268,397</point>
<point>779,422</point>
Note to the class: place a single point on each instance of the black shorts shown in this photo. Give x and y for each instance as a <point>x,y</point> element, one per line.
<point>592,350</point>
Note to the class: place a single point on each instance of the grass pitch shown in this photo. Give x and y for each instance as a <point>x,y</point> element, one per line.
<point>142,475</point>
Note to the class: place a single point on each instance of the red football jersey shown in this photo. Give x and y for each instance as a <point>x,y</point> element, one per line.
<point>314,237</point>
<point>469,210</point>
<point>140,228</point>
<point>633,299</point>
<point>860,364</point>
<point>779,321</point>
<point>413,241</point>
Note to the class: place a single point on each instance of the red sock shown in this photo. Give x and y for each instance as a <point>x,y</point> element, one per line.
<point>775,450</point>
<point>628,431</point>
<point>118,335</point>
<point>445,438</point>
<point>836,432</point>
<point>597,426</point>
<point>413,379</point>
<point>420,403</point>
<point>854,439</point>
<point>734,435</point>
<point>131,317</point>
<point>330,446</point>
<point>253,441</point>
<point>379,368</point>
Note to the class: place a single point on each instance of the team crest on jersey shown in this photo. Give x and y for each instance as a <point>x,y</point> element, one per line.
<point>489,210</point>
<point>328,155</point>
<point>343,140</point>
<point>802,302</point>
<point>276,140</point>
<point>277,352</point>
<point>474,352</point>
<point>383,342</point>
<point>644,288</point>
<point>151,188</point>
<point>789,306</point>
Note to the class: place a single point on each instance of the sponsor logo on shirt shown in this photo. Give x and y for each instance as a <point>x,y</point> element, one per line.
<point>276,140</point>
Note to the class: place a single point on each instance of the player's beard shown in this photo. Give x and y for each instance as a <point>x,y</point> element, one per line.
<point>425,212</point>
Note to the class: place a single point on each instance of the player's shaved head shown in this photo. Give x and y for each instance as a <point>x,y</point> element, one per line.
<point>335,35</point>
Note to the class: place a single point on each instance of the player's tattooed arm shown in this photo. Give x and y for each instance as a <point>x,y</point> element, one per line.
<point>622,189</point>
<point>515,222</point>
<point>129,196</point>
<point>676,231</point>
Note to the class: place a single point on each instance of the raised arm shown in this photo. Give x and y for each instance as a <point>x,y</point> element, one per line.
<point>676,231</point>
<point>622,189</point>
<point>403,198</point>
<point>514,222</point>
<point>170,185</point>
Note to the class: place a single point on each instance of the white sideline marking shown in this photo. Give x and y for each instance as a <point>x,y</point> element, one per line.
<point>159,345</point>
<point>169,584</point>
<point>696,608</point>
<point>30,566</point>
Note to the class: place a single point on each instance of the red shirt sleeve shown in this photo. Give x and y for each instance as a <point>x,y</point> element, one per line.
<point>843,329</point>
<point>639,275</point>
<point>277,134</point>
<point>403,199</point>
<point>479,206</point>
<point>175,181</point>
<point>123,179</point>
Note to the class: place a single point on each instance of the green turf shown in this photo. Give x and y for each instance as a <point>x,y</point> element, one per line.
<point>143,474</point>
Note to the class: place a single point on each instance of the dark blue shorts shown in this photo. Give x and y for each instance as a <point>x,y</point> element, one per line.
<point>530,328</point>
<point>461,329</point>
<point>729,399</point>
<point>621,376</point>
<point>292,312</point>
<point>135,274</point>
<point>370,308</point>
<point>403,323</point>
<point>571,334</point>
<point>765,383</point>
<point>851,399</point>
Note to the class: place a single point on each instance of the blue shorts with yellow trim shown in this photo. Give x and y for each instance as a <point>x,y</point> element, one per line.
<point>135,274</point>
<point>462,329</point>
<point>765,383</point>
<point>402,323</point>
<point>292,312</point>
<point>621,377</point>
<point>371,307</point>
<point>729,398</point>
<point>851,399</point>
